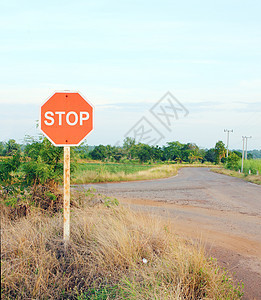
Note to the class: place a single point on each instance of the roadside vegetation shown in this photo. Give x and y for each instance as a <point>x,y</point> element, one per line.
<point>36,160</point>
<point>114,173</point>
<point>107,172</point>
<point>232,167</point>
<point>113,253</point>
<point>245,176</point>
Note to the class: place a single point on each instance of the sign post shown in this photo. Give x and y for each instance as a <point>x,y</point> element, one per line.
<point>66,192</point>
<point>66,118</point>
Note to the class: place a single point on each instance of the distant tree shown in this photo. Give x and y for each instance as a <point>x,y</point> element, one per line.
<point>202,154</point>
<point>143,152</point>
<point>117,153</point>
<point>249,155</point>
<point>83,151</point>
<point>238,153</point>
<point>8,167</point>
<point>210,155</point>
<point>2,148</point>
<point>99,153</point>
<point>11,147</point>
<point>172,151</point>
<point>232,161</point>
<point>190,152</point>
<point>256,153</point>
<point>220,151</point>
<point>194,157</point>
<point>128,145</point>
<point>157,153</point>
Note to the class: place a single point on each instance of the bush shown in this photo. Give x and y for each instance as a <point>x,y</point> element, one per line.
<point>232,161</point>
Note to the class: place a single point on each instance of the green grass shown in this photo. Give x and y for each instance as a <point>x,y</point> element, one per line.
<point>112,168</point>
<point>107,172</point>
<point>253,165</point>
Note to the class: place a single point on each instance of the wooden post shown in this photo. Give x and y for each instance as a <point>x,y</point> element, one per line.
<point>66,203</point>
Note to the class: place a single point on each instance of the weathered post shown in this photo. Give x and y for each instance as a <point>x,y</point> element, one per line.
<point>66,192</point>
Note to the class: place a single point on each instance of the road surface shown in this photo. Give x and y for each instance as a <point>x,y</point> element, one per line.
<point>223,212</point>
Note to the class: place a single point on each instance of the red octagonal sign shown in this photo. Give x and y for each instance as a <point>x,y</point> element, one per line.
<point>66,119</point>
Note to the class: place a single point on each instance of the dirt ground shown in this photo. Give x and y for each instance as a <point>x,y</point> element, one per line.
<point>223,213</point>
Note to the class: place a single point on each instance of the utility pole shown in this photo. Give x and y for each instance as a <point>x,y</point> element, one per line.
<point>242,165</point>
<point>228,131</point>
<point>247,137</point>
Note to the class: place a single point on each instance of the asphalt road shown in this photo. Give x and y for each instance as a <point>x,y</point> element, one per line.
<point>223,212</point>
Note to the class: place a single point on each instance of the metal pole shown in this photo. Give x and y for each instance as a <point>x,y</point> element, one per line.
<point>228,131</point>
<point>66,203</point>
<point>246,148</point>
<point>242,165</point>
<point>247,137</point>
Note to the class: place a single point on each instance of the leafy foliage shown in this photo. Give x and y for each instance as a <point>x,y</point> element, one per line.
<point>220,151</point>
<point>232,161</point>
<point>44,165</point>
<point>31,178</point>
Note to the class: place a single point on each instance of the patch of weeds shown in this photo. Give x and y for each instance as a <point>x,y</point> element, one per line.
<point>109,202</point>
<point>102,293</point>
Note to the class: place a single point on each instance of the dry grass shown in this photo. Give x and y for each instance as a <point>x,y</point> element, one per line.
<point>250,178</point>
<point>104,259</point>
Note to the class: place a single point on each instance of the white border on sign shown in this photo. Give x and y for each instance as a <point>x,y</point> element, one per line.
<point>68,92</point>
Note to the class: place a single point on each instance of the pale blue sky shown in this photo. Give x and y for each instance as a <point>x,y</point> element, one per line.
<point>125,55</point>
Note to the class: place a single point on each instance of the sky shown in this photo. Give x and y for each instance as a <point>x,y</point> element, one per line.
<point>125,56</point>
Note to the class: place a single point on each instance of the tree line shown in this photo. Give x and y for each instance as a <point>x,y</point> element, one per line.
<point>37,161</point>
<point>171,152</point>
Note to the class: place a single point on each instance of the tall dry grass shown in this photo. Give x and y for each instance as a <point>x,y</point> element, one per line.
<point>113,253</point>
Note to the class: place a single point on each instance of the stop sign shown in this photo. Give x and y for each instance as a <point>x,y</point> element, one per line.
<point>66,118</point>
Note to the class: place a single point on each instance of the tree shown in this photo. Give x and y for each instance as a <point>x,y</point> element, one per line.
<point>44,165</point>
<point>172,151</point>
<point>238,153</point>
<point>2,148</point>
<point>220,151</point>
<point>190,152</point>
<point>8,167</point>
<point>99,153</point>
<point>11,147</point>
<point>128,145</point>
<point>157,153</point>
<point>232,161</point>
<point>83,151</point>
<point>249,156</point>
<point>117,153</point>
<point>210,155</point>
<point>143,152</point>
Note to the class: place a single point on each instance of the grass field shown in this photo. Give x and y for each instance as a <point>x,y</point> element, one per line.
<point>113,168</point>
<point>106,172</point>
<point>113,253</point>
<point>253,165</point>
